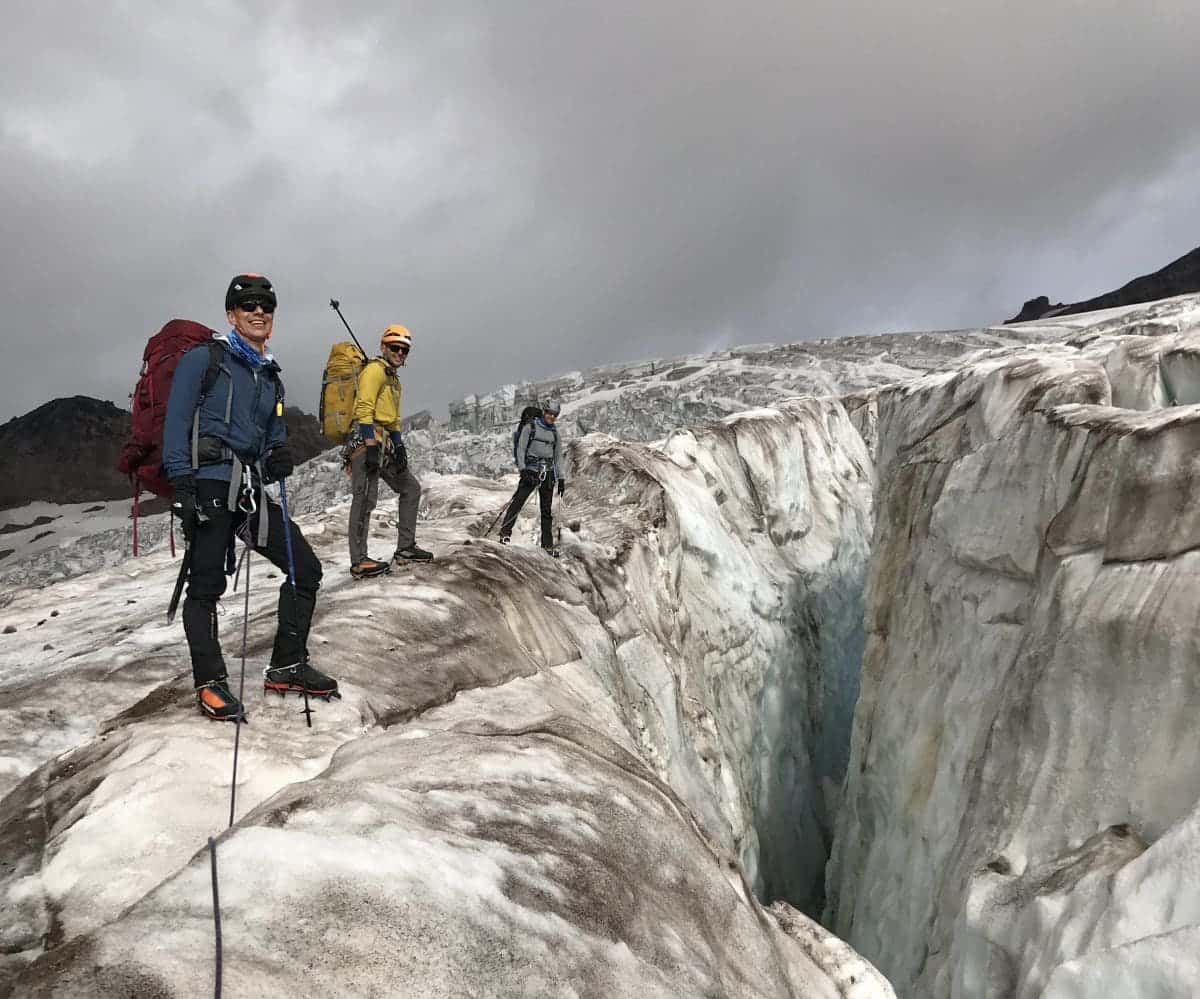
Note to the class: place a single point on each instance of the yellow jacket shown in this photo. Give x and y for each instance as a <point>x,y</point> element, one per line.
<point>378,401</point>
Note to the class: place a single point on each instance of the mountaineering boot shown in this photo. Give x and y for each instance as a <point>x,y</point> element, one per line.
<point>301,678</point>
<point>552,551</point>
<point>218,702</point>
<point>412,554</point>
<point>506,539</point>
<point>369,567</point>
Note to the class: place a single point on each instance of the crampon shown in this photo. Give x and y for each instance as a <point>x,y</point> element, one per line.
<point>299,678</point>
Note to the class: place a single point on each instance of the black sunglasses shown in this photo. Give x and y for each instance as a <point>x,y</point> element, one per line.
<point>398,347</point>
<point>267,307</point>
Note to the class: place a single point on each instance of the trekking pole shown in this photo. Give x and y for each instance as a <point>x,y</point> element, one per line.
<point>216,895</point>
<point>503,510</point>
<point>237,735</point>
<point>287,537</point>
<point>333,304</point>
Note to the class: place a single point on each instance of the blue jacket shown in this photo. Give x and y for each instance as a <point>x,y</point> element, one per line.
<point>240,409</point>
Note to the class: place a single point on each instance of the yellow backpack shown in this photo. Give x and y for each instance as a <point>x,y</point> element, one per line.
<point>339,388</point>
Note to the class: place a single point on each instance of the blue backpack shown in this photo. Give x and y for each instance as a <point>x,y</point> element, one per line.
<point>528,415</point>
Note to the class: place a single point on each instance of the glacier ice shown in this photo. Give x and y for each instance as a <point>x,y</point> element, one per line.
<point>940,630</point>
<point>545,777</point>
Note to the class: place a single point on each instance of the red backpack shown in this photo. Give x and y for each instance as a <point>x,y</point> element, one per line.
<point>141,457</point>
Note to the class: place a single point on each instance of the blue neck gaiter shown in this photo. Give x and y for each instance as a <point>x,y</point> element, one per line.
<point>245,351</point>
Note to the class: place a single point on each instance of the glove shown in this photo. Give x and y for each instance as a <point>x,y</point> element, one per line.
<point>279,464</point>
<point>400,457</point>
<point>372,460</point>
<point>562,486</point>
<point>185,507</point>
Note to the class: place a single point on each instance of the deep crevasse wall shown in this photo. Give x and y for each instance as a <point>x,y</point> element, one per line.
<point>802,741</point>
<point>1021,807</point>
<point>730,584</point>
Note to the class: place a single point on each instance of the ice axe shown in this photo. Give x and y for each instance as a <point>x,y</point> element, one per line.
<point>335,305</point>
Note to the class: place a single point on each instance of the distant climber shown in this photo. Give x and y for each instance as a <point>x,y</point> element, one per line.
<point>223,437</point>
<point>374,450</point>
<point>538,454</point>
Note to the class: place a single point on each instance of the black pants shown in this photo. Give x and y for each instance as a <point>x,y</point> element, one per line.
<point>528,483</point>
<point>207,581</point>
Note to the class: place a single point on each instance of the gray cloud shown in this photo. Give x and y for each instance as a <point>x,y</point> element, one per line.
<point>539,187</point>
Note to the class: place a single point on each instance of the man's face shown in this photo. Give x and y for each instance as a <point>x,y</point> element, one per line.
<point>252,321</point>
<point>396,354</point>
<point>548,416</point>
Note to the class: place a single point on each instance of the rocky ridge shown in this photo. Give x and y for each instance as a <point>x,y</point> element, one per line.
<point>1180,277</point>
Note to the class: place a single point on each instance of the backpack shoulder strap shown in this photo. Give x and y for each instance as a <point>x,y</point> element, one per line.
<point>279,392</point>
<point>517,456</point>
<point>216,357</point>
<point>367,364</point>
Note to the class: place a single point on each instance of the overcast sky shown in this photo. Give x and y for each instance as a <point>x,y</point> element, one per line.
<point>538,187</point>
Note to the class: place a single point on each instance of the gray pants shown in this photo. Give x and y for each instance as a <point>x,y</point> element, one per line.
<point>366,490</point>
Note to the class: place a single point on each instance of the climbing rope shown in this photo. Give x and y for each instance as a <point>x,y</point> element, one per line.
<point>245,535</point>
<point>237,742</point>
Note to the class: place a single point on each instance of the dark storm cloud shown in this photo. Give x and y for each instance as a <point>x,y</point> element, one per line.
<point>538,187</point>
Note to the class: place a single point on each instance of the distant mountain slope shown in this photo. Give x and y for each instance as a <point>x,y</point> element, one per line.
<point>66,451</point>
<point>1180,277</point>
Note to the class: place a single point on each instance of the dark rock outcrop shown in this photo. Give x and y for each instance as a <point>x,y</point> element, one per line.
<point>422,420</point>
<point>1180,277</point>
<point>304,434</point>
<point>1037,308</point>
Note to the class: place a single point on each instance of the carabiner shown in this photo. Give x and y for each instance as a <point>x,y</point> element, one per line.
<point>247,501</point>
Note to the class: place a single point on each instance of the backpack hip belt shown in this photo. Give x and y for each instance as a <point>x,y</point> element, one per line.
<point>212,451</point>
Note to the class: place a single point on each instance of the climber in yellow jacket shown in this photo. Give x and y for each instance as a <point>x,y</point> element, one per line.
<point>376,451</point>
